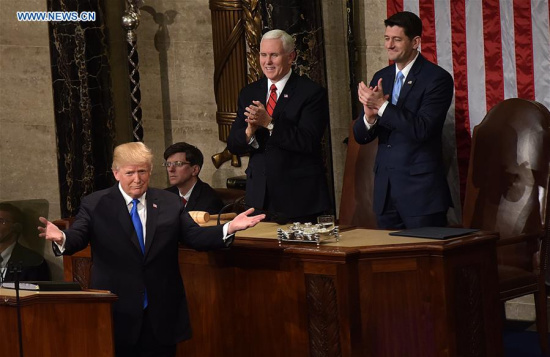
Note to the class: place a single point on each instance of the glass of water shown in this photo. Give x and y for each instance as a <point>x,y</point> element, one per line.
<point>326,222</point>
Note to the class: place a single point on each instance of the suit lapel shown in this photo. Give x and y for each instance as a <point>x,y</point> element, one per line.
<point>285,96</point>
<point>388,81</point>
<point>193,199</point>
<point>152,219</point>
<point>120,211</point>
<point>262,86</point>
<point>410,80</point>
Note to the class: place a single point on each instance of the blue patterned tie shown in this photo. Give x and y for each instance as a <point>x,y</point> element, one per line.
<point>397,87</point>
<point>139,231</point>
<point>137,224</point>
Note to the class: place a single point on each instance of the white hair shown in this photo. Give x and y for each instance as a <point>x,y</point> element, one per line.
<point>287,40</point>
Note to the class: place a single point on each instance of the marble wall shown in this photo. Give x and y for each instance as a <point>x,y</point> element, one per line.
<point>177,90</point>
<point>28,164</point>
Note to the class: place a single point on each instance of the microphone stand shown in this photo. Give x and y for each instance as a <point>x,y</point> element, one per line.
<point>16,270</point>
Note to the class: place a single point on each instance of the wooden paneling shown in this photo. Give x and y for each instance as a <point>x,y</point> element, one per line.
<point>57,324</point>
<point>415,298</point>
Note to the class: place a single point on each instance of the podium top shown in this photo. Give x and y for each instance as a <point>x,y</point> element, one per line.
<point>26,297</point>
<point>364,240</point>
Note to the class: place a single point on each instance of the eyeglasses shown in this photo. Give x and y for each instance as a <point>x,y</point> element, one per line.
<point>4,221</point>
<point>175,163</point>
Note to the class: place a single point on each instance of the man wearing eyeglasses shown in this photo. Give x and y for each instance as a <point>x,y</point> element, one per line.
<point>183,164</point>
<point>13,255</point>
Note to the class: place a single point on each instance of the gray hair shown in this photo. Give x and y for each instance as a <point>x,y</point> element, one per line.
<point>286,39</point>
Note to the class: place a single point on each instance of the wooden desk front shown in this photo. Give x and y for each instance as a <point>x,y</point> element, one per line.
<point>57,324</point>
<point>371,294</point>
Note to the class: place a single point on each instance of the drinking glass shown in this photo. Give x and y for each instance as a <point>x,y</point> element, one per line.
<point>326,222</point>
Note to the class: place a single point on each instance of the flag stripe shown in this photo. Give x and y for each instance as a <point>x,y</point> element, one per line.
<point>427,14</point>
<point>524,49</point>
<point>462,123</point>
<point>442,12</point>
<point>411,5</point>
<point>475,62</point>
<point>414,7</point>
<point>508,49</point>
<point>394,6</point>
<point>540,12</point>
<point>493,54</point>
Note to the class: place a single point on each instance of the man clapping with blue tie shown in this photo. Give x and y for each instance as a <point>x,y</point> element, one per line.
<point>405,107</point>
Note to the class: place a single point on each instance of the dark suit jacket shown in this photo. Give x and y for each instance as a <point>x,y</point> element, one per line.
<point>34,267</point>
<point>409,154</point>
<point>203,198</point>
<point>288,165</point>
<point>104,222</point>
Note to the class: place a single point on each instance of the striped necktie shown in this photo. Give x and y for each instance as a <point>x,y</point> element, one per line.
<point>272,99</point>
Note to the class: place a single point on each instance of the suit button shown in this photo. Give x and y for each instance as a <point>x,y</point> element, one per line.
<point>388,146</point>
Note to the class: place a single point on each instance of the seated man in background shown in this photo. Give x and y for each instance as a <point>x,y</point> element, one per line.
<point>12,254</point>
<point>183,163</point>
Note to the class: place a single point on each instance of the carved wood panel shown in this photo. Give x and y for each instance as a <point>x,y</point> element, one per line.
<point>324,326</point>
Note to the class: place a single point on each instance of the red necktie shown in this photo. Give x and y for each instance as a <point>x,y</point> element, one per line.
<point>272,99</point>
<point>184,201</point>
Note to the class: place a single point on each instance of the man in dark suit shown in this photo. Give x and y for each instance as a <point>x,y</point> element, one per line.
<point>133,232</point>
<point>280,122</point>
<point>30,265</point>
<point>405,108</point>
<point>183,163</point>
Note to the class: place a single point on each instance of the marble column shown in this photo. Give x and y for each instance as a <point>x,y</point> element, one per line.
<point>82,103</point>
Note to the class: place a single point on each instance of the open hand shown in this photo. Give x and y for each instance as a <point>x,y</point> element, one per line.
<point>50,231</point>
<point>244,221</point>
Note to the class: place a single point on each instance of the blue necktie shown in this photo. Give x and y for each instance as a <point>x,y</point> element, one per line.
<point>397,87</point>
<point>139,231</point>
<point>137,224</point>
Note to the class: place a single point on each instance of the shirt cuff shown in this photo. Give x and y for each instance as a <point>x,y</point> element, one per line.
<point>225,229</point>
<point>227,239</point>
<point>367,124</point>
<point>253,142</point>
<point>61,246</point>
<point>382,108</point>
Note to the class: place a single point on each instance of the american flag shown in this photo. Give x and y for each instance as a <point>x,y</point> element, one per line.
<point>494,50</point>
